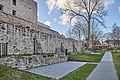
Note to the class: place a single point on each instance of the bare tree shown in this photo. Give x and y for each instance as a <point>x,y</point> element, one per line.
<point>74,33</point>
<point>77,34</point>
<point>81,29</point>
<point>118,34</point>
<point>69,33</point>
<point>86,10</point>
<point>115,35</point>
<point>108,37</point>
<point>96,33</point>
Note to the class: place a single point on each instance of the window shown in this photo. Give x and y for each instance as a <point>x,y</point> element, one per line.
<point>14,2</point>
<point>14,12</point>
<point>0,23</point>
<point>1,7</point>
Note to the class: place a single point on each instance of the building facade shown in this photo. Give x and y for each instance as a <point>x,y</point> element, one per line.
<point>21,33</point>
<point>25,9</point>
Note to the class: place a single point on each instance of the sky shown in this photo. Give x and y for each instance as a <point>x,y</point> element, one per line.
<point>54,18</point>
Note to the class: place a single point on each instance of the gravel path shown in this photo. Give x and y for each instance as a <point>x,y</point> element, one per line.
<point>105,70</point>
<point>57,70</point>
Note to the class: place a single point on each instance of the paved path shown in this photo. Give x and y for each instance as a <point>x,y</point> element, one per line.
<point>105,70</point>
<point>57,70</point>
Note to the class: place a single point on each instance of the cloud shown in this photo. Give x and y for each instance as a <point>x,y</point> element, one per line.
<point>119,9</point>
<point>48,23</point>
<point>51,4</point>
<point>38,14</point>
<point>74,20</point>
<point>65,20</point>
<point>55,19</point>
<point>35,0</point>
<point>108,2</point>
<point>60,4</point>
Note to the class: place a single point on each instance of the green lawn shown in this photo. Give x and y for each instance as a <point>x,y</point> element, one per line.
<point>116,59</point>
<point>7,73</point>
<point>80,73</point>
<point>103,51</point>
<point>85,57</point>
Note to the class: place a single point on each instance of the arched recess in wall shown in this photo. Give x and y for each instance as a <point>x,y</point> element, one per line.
<point>1,7</point>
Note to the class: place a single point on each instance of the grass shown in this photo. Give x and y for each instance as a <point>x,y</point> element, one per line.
<point>7,73</point>
<point>116,59</point>
<point>103,51</point>
<point>85,57</point>
<point>80,73</point>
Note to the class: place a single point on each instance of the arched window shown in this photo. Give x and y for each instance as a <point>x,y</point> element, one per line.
<point>14,2</point>
<point>1,7</point>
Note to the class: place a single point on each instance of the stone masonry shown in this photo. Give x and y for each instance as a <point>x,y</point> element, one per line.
<point>21,36</point>
<point>27,62</point>
<point>22,33</point>
<point>25,9</point>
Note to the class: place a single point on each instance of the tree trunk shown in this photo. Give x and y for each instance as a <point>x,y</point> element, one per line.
<point>114,44</point>
<point>79,36</point>
<point>88,31</point>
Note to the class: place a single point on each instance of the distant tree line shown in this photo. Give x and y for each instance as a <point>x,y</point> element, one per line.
<point>113,37</point>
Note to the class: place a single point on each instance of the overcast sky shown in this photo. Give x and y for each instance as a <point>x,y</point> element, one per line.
<point>53,17</point>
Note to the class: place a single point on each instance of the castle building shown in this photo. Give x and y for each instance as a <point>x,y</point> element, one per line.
<point>20,32</point>
<point>25,9</point>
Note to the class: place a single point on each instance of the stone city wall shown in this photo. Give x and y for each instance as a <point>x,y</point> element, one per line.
<point>27,62</point>
<point>21,36</point>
